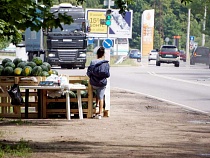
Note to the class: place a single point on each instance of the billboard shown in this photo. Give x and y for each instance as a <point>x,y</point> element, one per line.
<point>147,31</point>
<point>121,27</point>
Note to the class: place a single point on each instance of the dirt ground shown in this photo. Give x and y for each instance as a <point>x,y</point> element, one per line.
<point>138,126</point>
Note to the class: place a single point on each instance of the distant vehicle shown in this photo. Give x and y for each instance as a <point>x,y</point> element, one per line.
<point>152,55</point>
<point>135,54</point>
<point>182,55</point>
<point>168,54</point>
<point>200,55</point>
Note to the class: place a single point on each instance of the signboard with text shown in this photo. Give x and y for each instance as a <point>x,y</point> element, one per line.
<point>121,27</point>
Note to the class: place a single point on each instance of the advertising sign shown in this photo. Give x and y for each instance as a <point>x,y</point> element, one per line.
<point>121,27</point>
<point>147,31</point>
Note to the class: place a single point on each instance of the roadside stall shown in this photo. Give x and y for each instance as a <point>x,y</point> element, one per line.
<point>43,98</point>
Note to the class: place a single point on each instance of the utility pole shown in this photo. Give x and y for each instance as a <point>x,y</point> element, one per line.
<point>107,57</point>
<point>109,6</point>
<point>204,27</point>
<point>188,38</point>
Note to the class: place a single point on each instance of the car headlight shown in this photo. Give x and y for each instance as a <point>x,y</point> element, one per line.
<point>82,55</point>
<point>51,55</point>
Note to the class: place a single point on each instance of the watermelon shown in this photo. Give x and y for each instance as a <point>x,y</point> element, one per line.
<point>18,71</point>
<point>44,67</point>
<point>8,71</point>
<point>37,60</point>
<point>10,64</point>
<point>37,71</point>
<point>4,61</point>
<point>26,71</point>
<point>21,64</point>
<point>47,64</point>
<point>31,64</point>
<point>53,72</point>
<point>84,105</point>
<point>16,61</point>
<point>1,70</point>
<point>45,73</point>
<point>84,82</point>
<point>84,94</point>
<point>72,94</point>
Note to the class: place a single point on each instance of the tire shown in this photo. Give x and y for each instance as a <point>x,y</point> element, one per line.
<point>157,63</point>
<point>138,60</point>
<point>176,64</point>
<point>63,66</point>
<point>83,67</point>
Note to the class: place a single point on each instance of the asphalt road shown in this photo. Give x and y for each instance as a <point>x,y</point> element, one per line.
<point>186,86</point>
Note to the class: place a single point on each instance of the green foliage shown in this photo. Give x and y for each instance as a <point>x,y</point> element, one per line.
<point>19,149</point>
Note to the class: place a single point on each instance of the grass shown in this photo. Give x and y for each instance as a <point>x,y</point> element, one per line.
<point>10,149</point>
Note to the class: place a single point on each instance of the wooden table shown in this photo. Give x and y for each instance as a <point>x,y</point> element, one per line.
<point>77,87</point>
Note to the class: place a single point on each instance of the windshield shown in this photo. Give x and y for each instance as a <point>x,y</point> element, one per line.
<point>169,49</point>
<point>69,28</point>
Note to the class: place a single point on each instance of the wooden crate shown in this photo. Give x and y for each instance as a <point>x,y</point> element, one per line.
<point>62,110</point>
<point>17,111</point>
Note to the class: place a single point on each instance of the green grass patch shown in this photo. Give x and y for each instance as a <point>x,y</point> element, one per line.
<point>19,122</point>
<point>11,149</point>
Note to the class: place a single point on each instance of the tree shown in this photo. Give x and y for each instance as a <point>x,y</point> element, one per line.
<point>18,15</point>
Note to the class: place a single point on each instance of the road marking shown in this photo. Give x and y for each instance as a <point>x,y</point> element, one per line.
<point>165,100</point>
<point>177,79</point>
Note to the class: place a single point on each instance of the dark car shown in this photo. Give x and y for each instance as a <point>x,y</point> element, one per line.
<point>182,55</point>
<point>200,55</point>
<point>135,54</point>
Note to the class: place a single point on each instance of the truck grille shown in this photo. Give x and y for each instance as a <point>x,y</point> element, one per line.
<point>67,55</point>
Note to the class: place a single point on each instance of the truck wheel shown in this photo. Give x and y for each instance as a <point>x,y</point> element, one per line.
<point>63,66</point>
<point>83,67</point>
<point>30,56</point>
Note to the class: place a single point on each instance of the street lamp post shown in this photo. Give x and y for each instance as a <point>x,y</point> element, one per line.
<point>188,38</point>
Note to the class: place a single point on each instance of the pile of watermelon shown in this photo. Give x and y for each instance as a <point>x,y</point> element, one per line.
<point>17,67</point>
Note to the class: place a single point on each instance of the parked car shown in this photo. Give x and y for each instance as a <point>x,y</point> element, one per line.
<point>152,55</point>
<point>135,54</point>
<point>200,55</point>
<point>168,54</point>
<point>182,55</point>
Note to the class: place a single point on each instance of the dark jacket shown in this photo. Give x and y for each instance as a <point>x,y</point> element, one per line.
<point>98,73</point>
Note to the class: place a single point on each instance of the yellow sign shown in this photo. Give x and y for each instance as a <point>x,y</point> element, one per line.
<point>94,19</point>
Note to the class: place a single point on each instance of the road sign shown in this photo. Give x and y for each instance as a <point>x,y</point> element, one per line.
<point>192,38</point>
<point>107,43</point>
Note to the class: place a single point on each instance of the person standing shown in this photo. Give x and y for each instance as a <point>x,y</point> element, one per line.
<point>98,72</point>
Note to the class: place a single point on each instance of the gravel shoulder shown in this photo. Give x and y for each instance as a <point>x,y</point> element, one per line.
<point>138,126</point>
